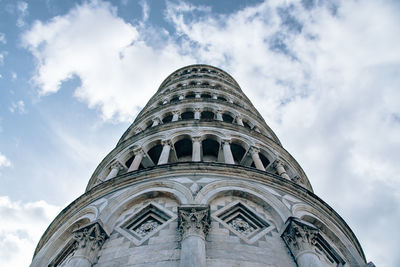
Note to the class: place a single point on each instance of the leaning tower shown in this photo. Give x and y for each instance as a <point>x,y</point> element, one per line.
<point>199,179</point>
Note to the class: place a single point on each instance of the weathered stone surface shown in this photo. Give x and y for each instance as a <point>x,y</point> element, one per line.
<point>199,179</point>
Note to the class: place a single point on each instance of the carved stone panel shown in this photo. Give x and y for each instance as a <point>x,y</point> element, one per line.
<point>242,221</point>
<point>145,223</point>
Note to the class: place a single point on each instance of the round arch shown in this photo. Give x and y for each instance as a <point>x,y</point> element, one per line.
<point>118,205</point>
<point>278,211</point>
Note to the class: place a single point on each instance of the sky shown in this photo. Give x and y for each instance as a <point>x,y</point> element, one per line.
<point>325,75</point>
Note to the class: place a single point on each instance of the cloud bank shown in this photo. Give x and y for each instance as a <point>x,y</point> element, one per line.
<point>325,76</point>
<point>21,226</point>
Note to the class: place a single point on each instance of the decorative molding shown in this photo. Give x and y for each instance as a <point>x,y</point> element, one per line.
<point>194,220</point>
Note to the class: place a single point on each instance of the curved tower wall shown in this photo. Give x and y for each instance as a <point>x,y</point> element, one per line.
<point>198,179</point>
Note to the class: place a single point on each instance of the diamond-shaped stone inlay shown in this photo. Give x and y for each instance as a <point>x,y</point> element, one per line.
<point>244,222</point>
<point>146,222</point>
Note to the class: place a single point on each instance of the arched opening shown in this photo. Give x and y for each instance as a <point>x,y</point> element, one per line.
<point>237,152</point>
<point>207,115</point>
<point>191,95</point>
<point>194,70</point>
<point>148,125</point>
<point>221,98</point>
<point>205,83</point>
<point>227,118</point>
<point>155,152</point>
<point>205,95</point>
<point>210,150</point>
<point>245,124</point>
<point>188,115</point>
<point>167,118</point>
<point>204,70</point>
<point>183,149</point>
<point>128,163</point>
<point>174,99</point>
<point>179,85</point>
<point>264,160</point>
<point>192,83</point>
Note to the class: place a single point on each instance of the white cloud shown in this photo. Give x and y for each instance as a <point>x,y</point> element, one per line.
<point>328,84</point>
<point>19,107</point>
<point>21,226</point>
<point>117,69</point>
<point>324,76</point>
<point>4,161</point>
<point>14,75</point>
<point>22,9</point>
<point>1,58</point>
<point>145,10</point>
<point>3,38</point>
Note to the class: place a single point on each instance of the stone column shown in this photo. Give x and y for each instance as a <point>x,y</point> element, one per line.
<point>239,120</point>
<point>301,239</point>
<point>175,115</point>
<point>214,96</point>
<point>219,115</point>
<point>255,128</point>
<point>165,101</point>
<point>197,95</point>
<point>165,152</point>
<point>139,153</point>
<point>280,169</point>
<point>115,168</point>
<point>89,241</point>
<point>254,152</point>
<point>193,223</point>
<point>226,147</point>
<point>196,148</point>
<point>197,113</point>
<point>181,97</point>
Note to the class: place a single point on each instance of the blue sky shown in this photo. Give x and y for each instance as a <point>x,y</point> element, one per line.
<point>324,74</point>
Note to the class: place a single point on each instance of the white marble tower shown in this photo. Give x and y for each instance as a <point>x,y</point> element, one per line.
<point>199,179</point>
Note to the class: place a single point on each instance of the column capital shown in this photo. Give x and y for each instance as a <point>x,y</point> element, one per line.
<point>254,150</point>
<point>299,236</point>
<point>166,142</point>
<point>194,220</point>
<point>219,111</point>
<point>89,239</point>
<point>137,150</point>
<point>116,165</point>
<point>278,163</point>
<point>178,112</point>
<point>196,109</point>
<point>196,138</point>
<point>226,141</point>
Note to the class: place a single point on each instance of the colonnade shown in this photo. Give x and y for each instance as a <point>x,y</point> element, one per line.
<point>138,154</point>
<point>194,223</point>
